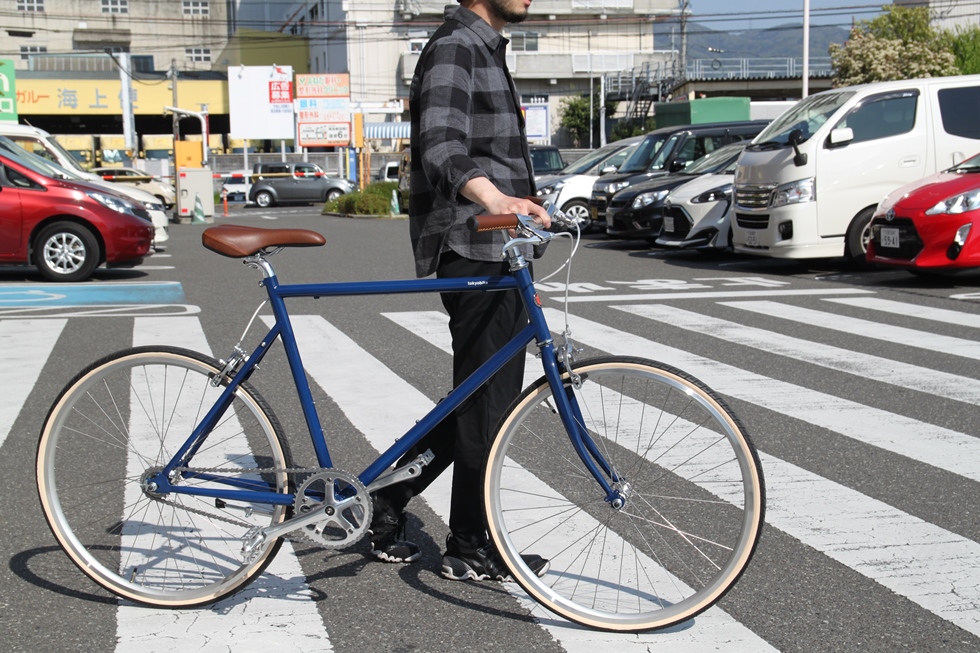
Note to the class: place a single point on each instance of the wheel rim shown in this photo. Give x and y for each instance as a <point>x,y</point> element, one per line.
<point>578,213</point>
<point>693,512</point>
<point>119,421</point>
<point>263,199</point>
<point>65,252</point>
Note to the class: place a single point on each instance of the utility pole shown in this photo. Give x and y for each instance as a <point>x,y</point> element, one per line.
<point>125,99</point>
<point>685,6</point>
<point>173,89</point>
<point>806,47</point>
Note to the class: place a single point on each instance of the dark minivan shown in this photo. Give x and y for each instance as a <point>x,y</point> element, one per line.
<point>667,150</point>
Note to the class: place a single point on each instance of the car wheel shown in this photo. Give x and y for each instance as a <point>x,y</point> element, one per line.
<point>66,251</point>
<point>333,194</point>
<point>264,199</point>
<point>578,211</point>
<point>858,235</point>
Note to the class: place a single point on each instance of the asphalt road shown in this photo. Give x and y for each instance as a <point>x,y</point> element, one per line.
<point>859,387</point>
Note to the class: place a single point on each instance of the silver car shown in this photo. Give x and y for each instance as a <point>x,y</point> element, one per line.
<point>284,182</point>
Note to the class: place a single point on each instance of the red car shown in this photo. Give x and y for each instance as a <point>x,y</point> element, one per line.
<point>66,228</point>
<point>928,225</point>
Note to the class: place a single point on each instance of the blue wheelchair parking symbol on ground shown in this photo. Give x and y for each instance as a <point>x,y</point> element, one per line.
<point>91,294</point>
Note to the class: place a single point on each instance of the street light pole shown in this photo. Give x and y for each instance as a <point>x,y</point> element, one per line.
<point>806,47</point>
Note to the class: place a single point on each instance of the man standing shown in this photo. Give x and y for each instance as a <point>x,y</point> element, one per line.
<point>469,157</point>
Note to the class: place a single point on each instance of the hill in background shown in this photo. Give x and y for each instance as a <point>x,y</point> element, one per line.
<point>781,41</point>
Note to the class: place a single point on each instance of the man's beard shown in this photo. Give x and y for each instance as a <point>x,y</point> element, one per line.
<point>500,8</point>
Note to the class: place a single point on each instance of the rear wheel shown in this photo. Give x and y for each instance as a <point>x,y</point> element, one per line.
<point>118,423</point>
<point>66,251</point>
<point>688,474</point>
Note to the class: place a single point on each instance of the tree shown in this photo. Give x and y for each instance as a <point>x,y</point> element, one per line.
<point>575,113</point>
<point>899,44</point>
<point>966,48</point>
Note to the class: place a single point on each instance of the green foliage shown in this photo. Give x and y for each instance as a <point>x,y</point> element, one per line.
<point>624,129</point>
<point>905,24</point>
<point>375,199</point>
<point>575,116</point>
<point>965,44</point>
<point>899,44</point>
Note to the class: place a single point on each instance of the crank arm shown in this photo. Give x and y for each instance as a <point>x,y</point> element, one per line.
<point>403,473</point>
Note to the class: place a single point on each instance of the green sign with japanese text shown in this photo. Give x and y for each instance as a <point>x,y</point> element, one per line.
<point>8,91</point>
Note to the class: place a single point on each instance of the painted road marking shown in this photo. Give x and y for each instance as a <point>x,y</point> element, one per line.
<point>85,294</point>
<point>715,294</point>
<point>26,346</point>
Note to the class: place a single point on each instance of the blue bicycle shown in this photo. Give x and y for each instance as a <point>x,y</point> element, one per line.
<point>168,480</point>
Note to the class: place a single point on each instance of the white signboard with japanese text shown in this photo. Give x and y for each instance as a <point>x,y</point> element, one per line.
<point>322,109</point>
<point>260,102</point>
<point>312,134</point>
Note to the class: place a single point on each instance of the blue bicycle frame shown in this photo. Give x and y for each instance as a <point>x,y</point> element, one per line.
<point>256,491</point>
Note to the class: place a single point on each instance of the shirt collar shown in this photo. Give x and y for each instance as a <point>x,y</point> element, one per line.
<point>480,27</point>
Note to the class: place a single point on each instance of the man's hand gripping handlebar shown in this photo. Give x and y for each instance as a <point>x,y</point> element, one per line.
<point>526,225</point>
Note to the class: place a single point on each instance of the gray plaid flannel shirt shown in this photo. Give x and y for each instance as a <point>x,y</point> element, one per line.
<point>466,122</point>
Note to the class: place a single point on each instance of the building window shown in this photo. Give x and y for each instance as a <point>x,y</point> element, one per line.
<point>30,5</point>
<point>27,50</point>
<point>115,6</point>
<point>197,8</point>
<point>524,42</point>
<point>202,55</point>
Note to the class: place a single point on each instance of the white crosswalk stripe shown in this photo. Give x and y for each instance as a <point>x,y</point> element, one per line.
<point>23,343</point>
<point>273,613</point>
<point>876,368</point>
<point>930,566</point>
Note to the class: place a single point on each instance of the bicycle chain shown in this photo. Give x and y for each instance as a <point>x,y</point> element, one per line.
<point>291,536</point>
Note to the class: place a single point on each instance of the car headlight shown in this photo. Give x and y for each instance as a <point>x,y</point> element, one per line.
<point>616,186</point>
<point>961,203</point>
<point>719,194</point>
<point>115,203</point>
<point>795,192</point>
<point>646,199</point>
<point>551,188</point>
<point>153,206</point>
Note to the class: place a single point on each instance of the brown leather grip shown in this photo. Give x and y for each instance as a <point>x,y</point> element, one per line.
<point>492,222</point>
<point>536,200</point>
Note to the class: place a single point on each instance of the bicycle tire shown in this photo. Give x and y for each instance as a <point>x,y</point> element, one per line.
<point>695,497</point>
<point>130,412</point>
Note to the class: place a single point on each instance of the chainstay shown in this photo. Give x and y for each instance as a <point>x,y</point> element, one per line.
<point>235,470</point>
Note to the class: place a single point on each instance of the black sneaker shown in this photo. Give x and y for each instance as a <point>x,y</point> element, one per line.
<point>388,541</point>
<point>483,563</point>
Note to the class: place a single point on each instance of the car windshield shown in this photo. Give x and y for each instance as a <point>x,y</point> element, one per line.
<point>807,116</point>
<point>716,161</point>
<point>30,160</point>
<point>970,165</point>
<point>643,155</point>
<point>592,159</point>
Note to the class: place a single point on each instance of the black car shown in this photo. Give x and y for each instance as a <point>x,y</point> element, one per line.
<point>637,211</point>
<point>546,160</point>
<point>667,150</point>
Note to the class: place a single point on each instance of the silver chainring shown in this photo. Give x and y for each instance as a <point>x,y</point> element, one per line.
<point>344,503</point>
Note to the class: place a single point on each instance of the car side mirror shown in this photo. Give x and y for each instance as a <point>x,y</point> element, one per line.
<point>841,136</point>
<point>677,165</point>
<point>609,170</point>
<point>795,138</point>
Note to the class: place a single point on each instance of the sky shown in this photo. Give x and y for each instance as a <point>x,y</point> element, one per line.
<point>726,15</point>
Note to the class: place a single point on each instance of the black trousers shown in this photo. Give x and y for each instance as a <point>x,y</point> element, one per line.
<point>480,324</point>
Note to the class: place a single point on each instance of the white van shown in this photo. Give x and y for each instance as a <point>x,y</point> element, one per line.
<point>44,144</point>
<point>808,185</point>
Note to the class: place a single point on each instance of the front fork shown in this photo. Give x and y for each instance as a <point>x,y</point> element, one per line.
<point>564,381</point>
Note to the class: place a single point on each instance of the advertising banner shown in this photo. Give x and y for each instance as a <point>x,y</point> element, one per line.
<point>312,134</point>
<point>260,102</point>
<point>8,91</point>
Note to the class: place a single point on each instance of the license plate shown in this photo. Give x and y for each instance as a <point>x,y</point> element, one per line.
<point>595,213</point>
<point>669,225</point>
<point>752,238</point>
<point>889,237</point>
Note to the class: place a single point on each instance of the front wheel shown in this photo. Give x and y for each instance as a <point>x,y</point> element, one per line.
<point>858,236</point>
<point>333,194</point>
<point>578,211</point>
<point>66,251</point>
<point>119,421</point>
<point>687,473</point>
<point>264,199</point>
